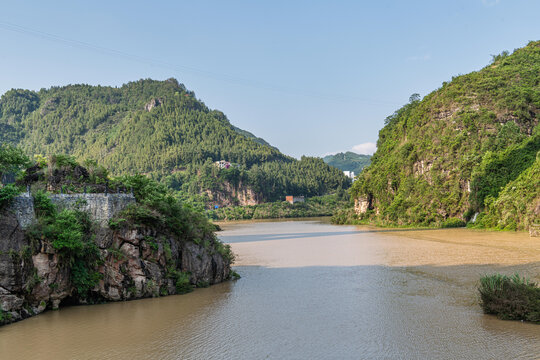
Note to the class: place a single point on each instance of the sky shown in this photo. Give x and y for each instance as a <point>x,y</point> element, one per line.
<point>310,77</point>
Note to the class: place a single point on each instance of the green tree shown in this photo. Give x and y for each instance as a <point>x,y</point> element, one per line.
<point>12,159</point>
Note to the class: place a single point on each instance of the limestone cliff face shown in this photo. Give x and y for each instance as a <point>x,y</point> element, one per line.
<point>136,263</point>
<point>231,195</point>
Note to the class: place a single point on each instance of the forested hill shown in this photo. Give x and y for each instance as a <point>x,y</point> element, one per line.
<point>470,146</point>
<point>154,127</point>
<point>348,161</point>
<point>143,126</point>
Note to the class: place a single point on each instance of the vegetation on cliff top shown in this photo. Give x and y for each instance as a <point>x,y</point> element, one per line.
<point>467,147</point>
<point>71,232</point>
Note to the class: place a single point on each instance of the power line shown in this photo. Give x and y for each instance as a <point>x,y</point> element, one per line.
<point>181,68</point>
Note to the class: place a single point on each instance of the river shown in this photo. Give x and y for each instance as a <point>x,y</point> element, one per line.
<point>311,290</point>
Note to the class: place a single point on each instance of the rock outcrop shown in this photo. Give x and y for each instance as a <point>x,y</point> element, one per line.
<point>231,195</point>
<point>471,146</point>
<point>135,262</point>
<point>152,104</point>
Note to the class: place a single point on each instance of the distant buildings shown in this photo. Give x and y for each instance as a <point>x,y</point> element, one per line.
<point>349,174</point>
<point>222,164</point>
<point>294,199</point>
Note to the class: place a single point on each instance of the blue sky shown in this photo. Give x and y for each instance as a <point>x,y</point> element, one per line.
<point>311,77</point>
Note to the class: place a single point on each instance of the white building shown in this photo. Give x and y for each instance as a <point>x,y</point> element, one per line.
<point>349,174</point>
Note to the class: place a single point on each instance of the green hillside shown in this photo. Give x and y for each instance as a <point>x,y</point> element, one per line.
<point>348,161</point>
<point>158,128</point>
<point>470,146</point>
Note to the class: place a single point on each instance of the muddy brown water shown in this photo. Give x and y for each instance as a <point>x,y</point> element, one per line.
<point>311,290</point>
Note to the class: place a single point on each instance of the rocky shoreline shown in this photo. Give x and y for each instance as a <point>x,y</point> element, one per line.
<point>134,262</point>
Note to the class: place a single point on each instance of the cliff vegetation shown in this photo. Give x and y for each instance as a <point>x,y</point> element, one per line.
<point>470,147</point>
<point>153,245</point>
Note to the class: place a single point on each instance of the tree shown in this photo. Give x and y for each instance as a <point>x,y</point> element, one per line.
<point>12,159</point>
<point>414,98</point>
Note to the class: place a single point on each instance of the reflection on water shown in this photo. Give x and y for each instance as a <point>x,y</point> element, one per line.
<point>322,292</point>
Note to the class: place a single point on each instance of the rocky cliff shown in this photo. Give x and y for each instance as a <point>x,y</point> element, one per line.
<point>133,261</point>
<point>233,195</point>
<point>445,157</point>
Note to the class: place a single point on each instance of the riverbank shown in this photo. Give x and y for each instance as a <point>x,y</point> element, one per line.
<point>348,216</point>
<point>316,206</point>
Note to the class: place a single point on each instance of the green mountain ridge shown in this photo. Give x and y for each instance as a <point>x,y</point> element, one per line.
<point>253,137</point>
<point>348,161</point>
<point>469,147</point>
<point>157,128</point>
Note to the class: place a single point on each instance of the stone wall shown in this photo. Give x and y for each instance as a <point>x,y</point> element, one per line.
<point>23,208</point>
<point>101,207</point>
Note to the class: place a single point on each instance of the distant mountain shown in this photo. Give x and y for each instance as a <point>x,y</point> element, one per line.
<point>348,161</point>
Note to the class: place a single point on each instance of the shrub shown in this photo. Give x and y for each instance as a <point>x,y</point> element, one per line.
<point>116,223</point>
<point>43,205</point>
<point>510,297</point>
<point>7,194</point>
<point>226,251</point>
<point>63,161</point>
<point>70,233</point>
<point>12,159</point>
<point>453,223</point>
<point>183,285</point>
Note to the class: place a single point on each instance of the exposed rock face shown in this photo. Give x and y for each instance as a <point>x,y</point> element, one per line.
<point>137,263</point>
<point>362,204</point>
<point>23,209</point>
<point>152,104</point>
<point>14,269</point>
<point>231,195</point>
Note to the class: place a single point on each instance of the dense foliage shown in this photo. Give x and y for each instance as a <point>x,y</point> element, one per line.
<point>454,152</point>
<point>510,297</point>
<point>158,207</point>
<point>316,206</point>
<point>157,128</point>
<point>70,233</point>
<point>348,161</point>
<point>62,173</point>
<point>517,204</point>
<point>7,194</point>
<point>271,181</point>
<point>12,159</point>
